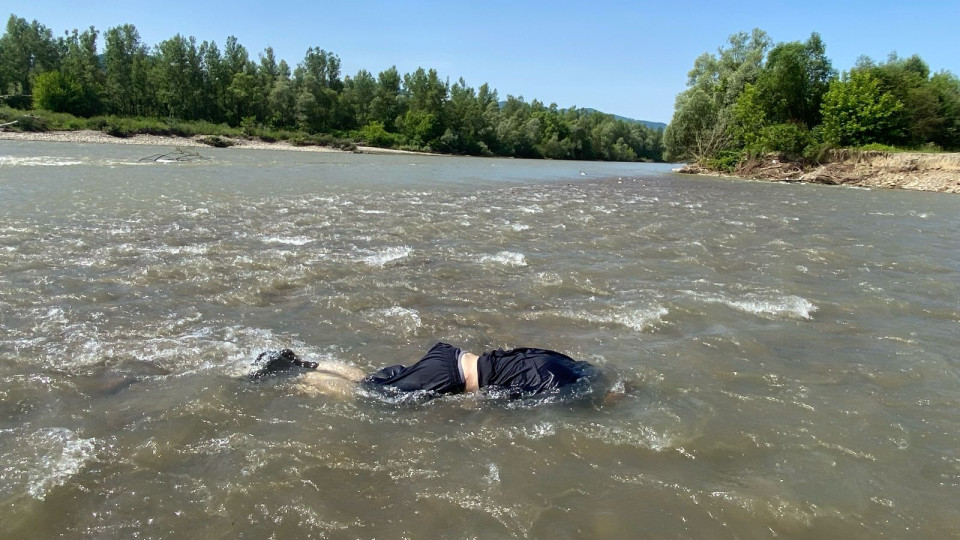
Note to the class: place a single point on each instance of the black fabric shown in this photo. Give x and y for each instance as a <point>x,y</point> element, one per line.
<point>273,361</point>
<point>437,371</point>
<point>530,371</point>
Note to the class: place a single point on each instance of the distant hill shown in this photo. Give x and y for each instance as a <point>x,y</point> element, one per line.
<point>648,123</point>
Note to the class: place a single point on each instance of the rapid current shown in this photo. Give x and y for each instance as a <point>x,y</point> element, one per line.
<point>780,359</point>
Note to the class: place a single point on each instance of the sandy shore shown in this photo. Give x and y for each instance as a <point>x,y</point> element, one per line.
<point>98,137</point>
<point>917,171</point>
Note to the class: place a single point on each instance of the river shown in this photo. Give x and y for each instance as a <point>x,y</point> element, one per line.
<point>780,359</point>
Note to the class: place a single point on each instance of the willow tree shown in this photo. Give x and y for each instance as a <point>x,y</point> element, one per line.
<point>702,116</point>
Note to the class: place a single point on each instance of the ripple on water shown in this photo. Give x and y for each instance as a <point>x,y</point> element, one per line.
<point>505,258</point>
<point>381,257</point>
<point>769,305</point>
<point>38,161</point>
<point>43,460</point>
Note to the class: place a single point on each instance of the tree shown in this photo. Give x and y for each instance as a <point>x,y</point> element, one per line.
<point>26,50</point>
<point>317,79</point>
<point>282,103</point>
<point>700,127</point>
<point>81,65</point>
<point>358,96</point>
<point>489,107</point>
<point>513,132</point>
<point>424,94</point>
<point>125,65</point>
<point>794,80</point>
<point>464,120</point>
<point>922,118</point>
<point>857,112</point>
<point>750,119</point>
<point>178,78</point>
<point>245,99</point>
<point>216,83</point>
<point>56,92</point>
<point>702,116</point>
<point>387,105</point>
<point>243,96</point>
<point>946,86</point>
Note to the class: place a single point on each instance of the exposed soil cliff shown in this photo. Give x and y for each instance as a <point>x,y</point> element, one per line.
<point>907,170</point>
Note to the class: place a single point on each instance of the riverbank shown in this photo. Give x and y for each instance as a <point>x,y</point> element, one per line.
<point>196,141</point>
<point>918,171</point>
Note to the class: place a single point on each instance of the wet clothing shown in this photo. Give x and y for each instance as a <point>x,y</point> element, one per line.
<point>438,371</point>
<point>523,371</point>
<point>529,371</point>
<point>270,362</point>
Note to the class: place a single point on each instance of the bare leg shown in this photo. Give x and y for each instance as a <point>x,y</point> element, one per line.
<point>339,369</point>
<point>332,379</point>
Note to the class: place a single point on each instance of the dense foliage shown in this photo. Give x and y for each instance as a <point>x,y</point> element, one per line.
<point>181,79</point>
<point>754,97</point>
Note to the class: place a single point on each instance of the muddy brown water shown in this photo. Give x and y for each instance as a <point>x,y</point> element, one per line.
<point>783,357</point>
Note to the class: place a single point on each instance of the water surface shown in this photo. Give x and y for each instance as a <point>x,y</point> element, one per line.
<point>781,358</point>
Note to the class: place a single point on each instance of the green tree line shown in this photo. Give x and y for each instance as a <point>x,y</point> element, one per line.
<point>182,79</point>
<point>754,97</point>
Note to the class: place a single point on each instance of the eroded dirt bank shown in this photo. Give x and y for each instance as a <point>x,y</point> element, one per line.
<point>906,170</point>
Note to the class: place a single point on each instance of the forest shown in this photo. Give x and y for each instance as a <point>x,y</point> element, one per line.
<point>755,98</point>
<point>751,98</point>
<point>183,86</point>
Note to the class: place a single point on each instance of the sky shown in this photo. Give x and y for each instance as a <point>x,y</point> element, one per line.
<point>625,58</point>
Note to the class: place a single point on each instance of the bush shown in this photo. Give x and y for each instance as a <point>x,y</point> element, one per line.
<point>724,160</point>
<point>19,101</point>
<point>216,141</point>
<point>877,147</point>
<point>29,122</point>
<point>817,152</point>
<point>789,139</point>
<point>323,139</point>
<point>374,134</point>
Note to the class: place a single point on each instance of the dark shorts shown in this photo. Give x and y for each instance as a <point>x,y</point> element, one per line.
<point>528,371</point>
<point>438,371</point>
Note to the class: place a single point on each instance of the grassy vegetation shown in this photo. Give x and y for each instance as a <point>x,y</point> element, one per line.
<point>213,134</point>
<point>929,148</point>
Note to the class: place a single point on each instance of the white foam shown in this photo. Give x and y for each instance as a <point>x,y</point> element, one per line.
<point>768,305</point>
<point>385,255</point>
<point>286,240</point>
<point>493,476</point>
<point>788,306</point>
<point>51,457</point>
<point>549,279</point>
<point>399,319</point>
<point>636,319</point>
<point>37,161</point>
<point>505,258</point>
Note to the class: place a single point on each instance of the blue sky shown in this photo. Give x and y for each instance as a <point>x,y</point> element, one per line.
<point>627,58</point>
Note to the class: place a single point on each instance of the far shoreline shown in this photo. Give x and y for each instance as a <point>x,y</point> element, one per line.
<point>99,137</point>
<point>933,172</point>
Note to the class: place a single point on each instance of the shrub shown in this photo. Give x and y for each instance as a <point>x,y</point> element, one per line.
<point>724,160</point>
<point>790,139</point>
<point>29,122</point>
<point>216,141</point>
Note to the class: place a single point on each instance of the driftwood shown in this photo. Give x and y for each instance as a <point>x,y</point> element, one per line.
<point>8,124</point>
<point>179,155</point>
